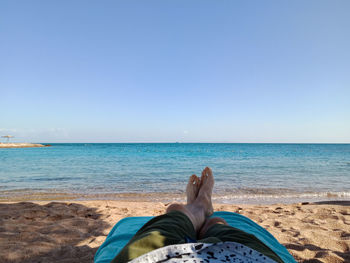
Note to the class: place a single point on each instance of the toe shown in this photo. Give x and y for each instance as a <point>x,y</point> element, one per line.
<point>197,184</point>
<point>204,174</point>
<point>208,171</point>
<point>197,180</point>
<point>192,179</point>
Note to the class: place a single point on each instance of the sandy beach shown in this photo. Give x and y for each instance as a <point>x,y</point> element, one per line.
<point>73,231</point>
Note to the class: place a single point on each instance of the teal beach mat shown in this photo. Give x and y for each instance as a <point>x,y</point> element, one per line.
<point>126,228</point>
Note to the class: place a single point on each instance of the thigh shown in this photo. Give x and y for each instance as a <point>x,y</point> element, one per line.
<point>226,233</point>
<point>168,229</point>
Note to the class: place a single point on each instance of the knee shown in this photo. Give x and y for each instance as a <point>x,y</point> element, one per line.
<point>209,223</point>
<point>216,220</point>
<point>175,207</point>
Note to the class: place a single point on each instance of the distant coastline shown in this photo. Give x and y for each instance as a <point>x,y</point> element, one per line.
<point>21,145</point>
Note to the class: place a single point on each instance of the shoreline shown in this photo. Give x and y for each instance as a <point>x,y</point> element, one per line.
<point>73,231</point>
<point>21,195</point>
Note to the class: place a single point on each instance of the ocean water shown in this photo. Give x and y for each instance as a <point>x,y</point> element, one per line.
<point>244,173</point>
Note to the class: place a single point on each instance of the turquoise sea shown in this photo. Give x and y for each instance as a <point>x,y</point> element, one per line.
<point>244,173</point>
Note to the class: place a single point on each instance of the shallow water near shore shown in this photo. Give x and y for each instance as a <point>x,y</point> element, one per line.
<point>244,173</point>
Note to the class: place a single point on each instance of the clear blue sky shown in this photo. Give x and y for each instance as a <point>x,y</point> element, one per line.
<point>190,71</point>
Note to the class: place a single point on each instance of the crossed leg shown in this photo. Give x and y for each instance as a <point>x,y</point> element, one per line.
<point>192,222</point>
<point>199,205</point>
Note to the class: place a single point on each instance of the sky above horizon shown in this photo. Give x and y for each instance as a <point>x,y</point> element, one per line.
<point>167,71</point>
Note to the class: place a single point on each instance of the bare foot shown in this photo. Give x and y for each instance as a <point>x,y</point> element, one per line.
<point>205,191</point>
<point>199,206</point>
<point>192,188</point>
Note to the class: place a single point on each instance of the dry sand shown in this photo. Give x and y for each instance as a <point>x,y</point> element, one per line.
<point>72,232</point>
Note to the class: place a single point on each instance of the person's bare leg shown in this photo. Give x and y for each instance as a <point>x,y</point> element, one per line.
<point>193,212</point>
<point>205,191</point>
<point>199,207</point>
<point>209,221</point>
